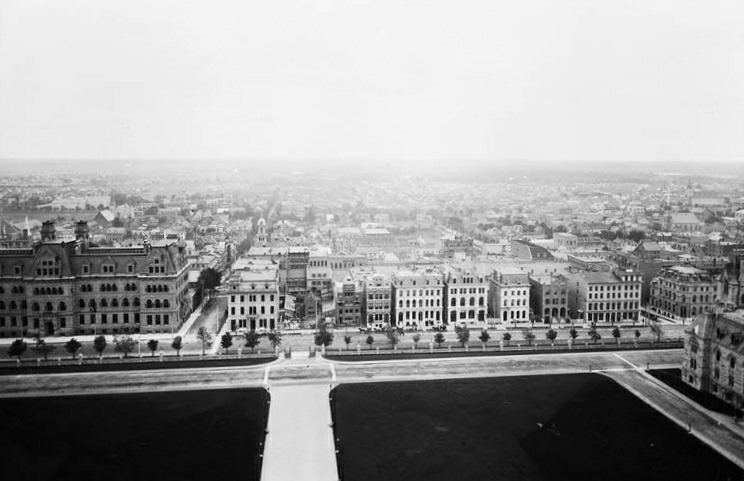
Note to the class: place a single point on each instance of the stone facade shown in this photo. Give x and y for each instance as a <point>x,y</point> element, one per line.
<point>71,288</point>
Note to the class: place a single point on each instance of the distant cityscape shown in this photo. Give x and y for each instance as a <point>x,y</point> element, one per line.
<point>124,252</point>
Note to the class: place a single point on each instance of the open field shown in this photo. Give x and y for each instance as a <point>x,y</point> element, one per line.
<point>153,436</point>
<point>563,427</point>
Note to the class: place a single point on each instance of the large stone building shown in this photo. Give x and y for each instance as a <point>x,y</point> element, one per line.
<point>549,297</point>
<point>606,296</point>
<point>417,298</point>
<point>509,295</point>
<point>253,296</point>
<point>57,287</point>
<point>465,296</point>
<point>377,302</point>
<point>349,303</point>
<point>714,356</point>
<point>680,293</point>
<point>457,244</point>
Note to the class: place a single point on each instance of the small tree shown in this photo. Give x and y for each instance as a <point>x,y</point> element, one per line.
<point>656,330</point>
<point>463,334</point>
<point>323,337</point>
<point>72,347</point>
<point>594,334</point>
<point>43,348</point>
<point>529,336</point>
<point>573,333</point>
<point>347,341</point>
<point>152,344</point>
<point>484,337</point>
<point>125,345</point>
<point>616,334</point>
<point>177,344</point>
<point>550,335</point>
<point>506,337</point>
<point>439,339</point>
<point>252,339</point>
<point>205,338</point>
<point>275,339</point>
<point>370,340</point>
<point>99,344</point>
<point>17,348</point>
<point>392,335</point>
<point>416,338</point>
<point>226,341</point>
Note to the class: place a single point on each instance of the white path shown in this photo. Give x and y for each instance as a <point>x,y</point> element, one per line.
<point>299,444</point>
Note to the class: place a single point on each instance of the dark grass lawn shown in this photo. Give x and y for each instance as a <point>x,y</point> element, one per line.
<point>563,427</point>
<point>196,435</point>
<point>131,364</point>
<point>673,379</point>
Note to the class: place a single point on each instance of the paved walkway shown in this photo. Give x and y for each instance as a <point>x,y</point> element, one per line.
<point>299,444</point>
<point>716,430</point>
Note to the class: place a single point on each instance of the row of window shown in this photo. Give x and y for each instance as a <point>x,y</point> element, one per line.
<point>614,295</point>
<point>48,291</point>
<point>624,287</point>
<point>453,301</point>
<point>421,303</point>
<point>611,306</point>
<point>252,298</point>
<point>420,292</point>
<point>252,310</point>
<point>36,322</point>
<point>470,290</point>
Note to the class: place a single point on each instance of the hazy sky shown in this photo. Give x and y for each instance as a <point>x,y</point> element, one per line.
<point>382,79</point>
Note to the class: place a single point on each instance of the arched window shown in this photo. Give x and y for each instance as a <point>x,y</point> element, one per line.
<point>472,301</point>
<point>36,291</point>
<point>148,304</point>
<point>114,288</point>
<point>157,303</point>
<point>81,304</point>
<point>136,302</point>
<point>92,305</point>
<point>166,303</point>
<point>35,306</point>
<point>104,303</point>
<point>462,301</point>
<point>148,289</point>
<point>114,303</point>
<point>24,306</point>
<point>48,307</point>
<point>125,302</point>
<point>165,288</point>
<point>13,306</point>
<point>62,306</point>
<point>454,302</point>
<point>2,305</point>
<point>160,288</point>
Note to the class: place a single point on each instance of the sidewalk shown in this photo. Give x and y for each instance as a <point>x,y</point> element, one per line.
<point>299,443</point>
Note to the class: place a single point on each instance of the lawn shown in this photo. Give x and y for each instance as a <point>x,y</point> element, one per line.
<point>568,427</point>
<point>192,435</point>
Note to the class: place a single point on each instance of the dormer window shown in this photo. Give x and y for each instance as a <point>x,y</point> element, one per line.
<point>108,268</point>
<point>17,270</point>
<point>86,268</point>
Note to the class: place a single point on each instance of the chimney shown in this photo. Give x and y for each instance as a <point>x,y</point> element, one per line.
<point>47,231</point>
<point>81,233</point>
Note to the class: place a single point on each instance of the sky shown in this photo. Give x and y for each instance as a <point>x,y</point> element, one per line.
<point>373,81</point>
